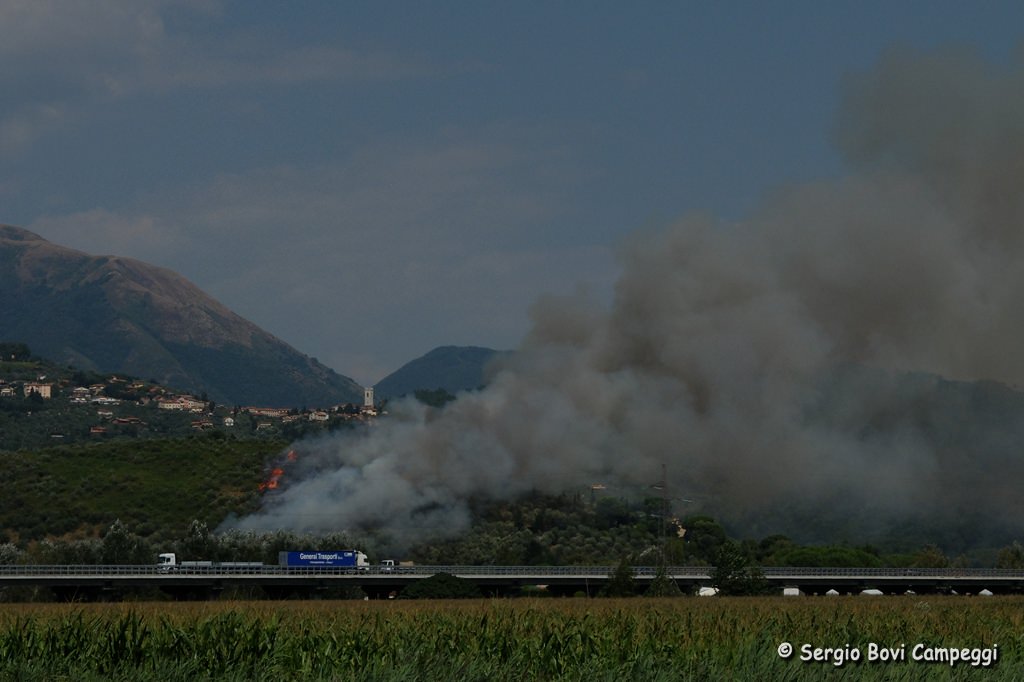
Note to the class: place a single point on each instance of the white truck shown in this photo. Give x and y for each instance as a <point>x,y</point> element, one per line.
<point>392,566</point>
<point>168,563</point>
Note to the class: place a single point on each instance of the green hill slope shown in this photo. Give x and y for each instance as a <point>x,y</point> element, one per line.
<point>154,487</point>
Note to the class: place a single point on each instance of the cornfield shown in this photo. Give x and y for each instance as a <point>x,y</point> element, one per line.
<point>571,639</point>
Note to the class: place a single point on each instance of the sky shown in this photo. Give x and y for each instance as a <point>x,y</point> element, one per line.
<point>368,181</point>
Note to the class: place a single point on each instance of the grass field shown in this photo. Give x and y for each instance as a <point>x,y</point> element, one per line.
<point>572,639</point>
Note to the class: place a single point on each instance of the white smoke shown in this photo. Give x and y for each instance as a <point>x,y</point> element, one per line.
<point>735,354</point>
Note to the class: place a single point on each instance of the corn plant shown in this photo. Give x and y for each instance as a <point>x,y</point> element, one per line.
<point>671,639</point>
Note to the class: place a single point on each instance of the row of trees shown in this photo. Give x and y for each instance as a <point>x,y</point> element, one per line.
<point>571,530</point>
<point>118,545</point>
<point>539,530</point>
<point>15,352</point>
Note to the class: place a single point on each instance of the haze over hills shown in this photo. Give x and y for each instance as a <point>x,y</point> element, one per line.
<point>113,314</point>
<point>452,368</point>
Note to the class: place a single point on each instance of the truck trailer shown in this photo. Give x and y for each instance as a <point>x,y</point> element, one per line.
<point>168,563</point>
<point>343,558</point>
<point>349,559</point>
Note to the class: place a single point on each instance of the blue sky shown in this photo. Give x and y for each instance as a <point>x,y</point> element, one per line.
<point>370,180</point>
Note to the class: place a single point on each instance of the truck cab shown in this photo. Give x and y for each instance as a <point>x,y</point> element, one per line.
<point>387,566</point>
<point>167,562</point>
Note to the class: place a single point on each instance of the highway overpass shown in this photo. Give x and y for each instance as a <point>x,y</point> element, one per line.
<point>87,581</point>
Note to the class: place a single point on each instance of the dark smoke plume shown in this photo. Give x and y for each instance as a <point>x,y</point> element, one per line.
<point>804,359</point>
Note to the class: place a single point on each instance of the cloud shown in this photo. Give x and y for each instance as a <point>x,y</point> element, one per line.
<point>140,235</point>
<point>19,129</point>
<point>42,27</point>
<point>125,46</point>
<point>59,55</point>
<point>453,238</point>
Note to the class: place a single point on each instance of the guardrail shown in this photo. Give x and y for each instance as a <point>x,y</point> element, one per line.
<point>270,569</point>
<point>678,572</point>
<point>785,571</point>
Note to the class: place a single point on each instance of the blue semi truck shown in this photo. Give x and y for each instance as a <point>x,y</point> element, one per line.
<point>350,559</point>
<point>343,558</point>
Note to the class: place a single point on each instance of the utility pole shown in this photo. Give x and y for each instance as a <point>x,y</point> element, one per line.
<point>663,487</point>
<point>664,515</point>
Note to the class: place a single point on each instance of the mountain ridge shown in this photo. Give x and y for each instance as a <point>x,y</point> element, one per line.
<point>451,368</point>
<point>118,314</point>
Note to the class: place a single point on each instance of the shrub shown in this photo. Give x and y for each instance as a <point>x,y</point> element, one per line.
<point>441,586</point>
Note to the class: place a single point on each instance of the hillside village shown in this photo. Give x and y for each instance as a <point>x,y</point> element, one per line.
<point>41,404</point>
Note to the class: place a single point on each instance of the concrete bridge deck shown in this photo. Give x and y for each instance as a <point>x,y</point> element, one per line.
<point>503,578</point>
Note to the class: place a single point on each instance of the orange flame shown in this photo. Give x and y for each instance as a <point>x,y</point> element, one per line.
<point>271,483</point>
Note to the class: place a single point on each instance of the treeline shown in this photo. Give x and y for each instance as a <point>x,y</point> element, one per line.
<point>536,530</point>
<point>15,352</point>
<point>573,530</point>
<point>119,545</point>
